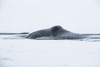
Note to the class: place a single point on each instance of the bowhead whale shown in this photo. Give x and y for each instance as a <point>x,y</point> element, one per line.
<point>58,33</point>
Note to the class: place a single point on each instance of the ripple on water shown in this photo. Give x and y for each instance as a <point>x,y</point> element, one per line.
<point>14,37</point>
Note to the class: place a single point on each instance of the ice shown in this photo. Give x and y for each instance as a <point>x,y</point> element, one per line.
<point>49,53</point>
<point>79,16</point>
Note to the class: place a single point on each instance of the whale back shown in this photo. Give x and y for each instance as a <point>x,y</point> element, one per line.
<point>56,30</point>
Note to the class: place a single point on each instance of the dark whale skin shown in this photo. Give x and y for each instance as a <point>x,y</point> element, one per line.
<point>56,32</point>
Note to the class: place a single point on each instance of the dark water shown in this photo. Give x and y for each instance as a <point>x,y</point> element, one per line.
<point>92,38</point>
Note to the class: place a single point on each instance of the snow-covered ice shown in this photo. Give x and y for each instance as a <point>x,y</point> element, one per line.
<point>49,53</point>
<point>80,16</point>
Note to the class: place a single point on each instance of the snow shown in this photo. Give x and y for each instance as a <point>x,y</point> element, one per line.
<point>79,16</point>
<point>49,53</point>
